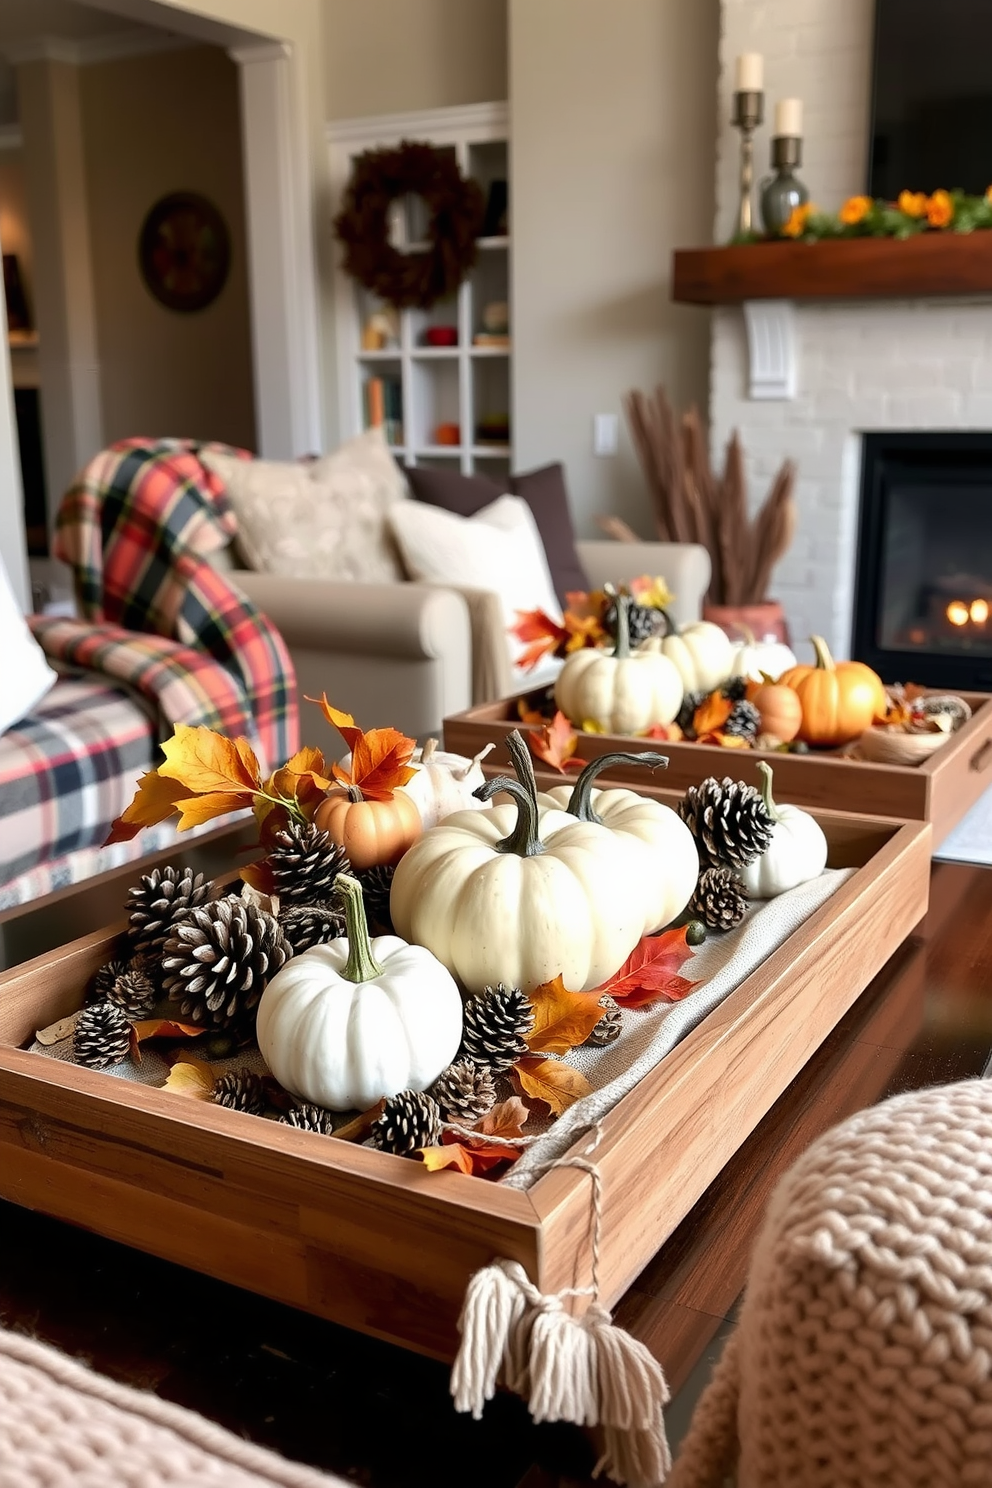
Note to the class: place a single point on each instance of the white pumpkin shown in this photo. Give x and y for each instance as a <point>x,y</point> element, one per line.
<point>445,782</point>
<point>662,858</point>
<point>620,694</point>
<point>760,659</point>
<point>796,853</point>
<point>349,1022</point>
<point>495,903</point>
<point>702,653</point>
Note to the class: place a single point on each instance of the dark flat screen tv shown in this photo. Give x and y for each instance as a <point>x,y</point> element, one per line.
<point>932,105</point>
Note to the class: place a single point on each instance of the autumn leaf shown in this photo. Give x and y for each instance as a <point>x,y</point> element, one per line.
<point>555,743</point>
<point>147,1028</point>
<point>711,714</point>
<point>562,1019</point>
<point>379,763</point>
<point>191,1077</point>
<point>359,1127</point>
<point>156,799</point>
<point>653,593</point>
<point>343,722</point>
<point>669,732</point>
<point>583,631</point>
<point>527,714</point>
<point>208,764</point>
<point>507,1119</point>
<point>549,1080</point>
<point>651,971</point>
<point>593,726</point>
<point>731,741</point>
<point>195,810</point>
<point>475,1159</point>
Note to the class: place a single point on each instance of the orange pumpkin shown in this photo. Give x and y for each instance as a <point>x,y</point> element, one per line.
<point>371,832</point>
<point>839,699</point>
<point>780,709</point>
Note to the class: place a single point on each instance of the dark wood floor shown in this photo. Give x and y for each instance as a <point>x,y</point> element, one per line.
<point>381,1417</point>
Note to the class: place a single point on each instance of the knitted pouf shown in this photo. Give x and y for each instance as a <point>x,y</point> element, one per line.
<point>863,1354</point>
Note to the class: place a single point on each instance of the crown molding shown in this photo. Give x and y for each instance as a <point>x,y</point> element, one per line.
<point>260,51</point>
<point>92,50</point>
<point>457,122</point>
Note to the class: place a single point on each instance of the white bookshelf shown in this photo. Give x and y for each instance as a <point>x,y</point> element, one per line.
<point>463,384</point>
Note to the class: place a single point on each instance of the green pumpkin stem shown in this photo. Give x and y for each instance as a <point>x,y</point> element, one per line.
<point>621,649</point>
<point>580,801</point>
<point>671,624</point>
<point>361,965</point>
<point>766,790</point>
<point>524,840</point>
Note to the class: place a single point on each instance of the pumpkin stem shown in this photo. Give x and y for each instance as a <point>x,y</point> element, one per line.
<point>580,801</point>
<point>670,623</point>
<point>824,661</point>
<point>361,965</point>
<point>428,751</point>
<point>354,794</point>
<point>766,790</point>
<point>621,649</point>
<point>749,636</point>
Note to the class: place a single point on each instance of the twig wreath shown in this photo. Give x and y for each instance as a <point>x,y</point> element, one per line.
<point>456,207</point>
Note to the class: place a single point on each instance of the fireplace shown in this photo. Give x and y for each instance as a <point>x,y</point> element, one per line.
<point>923,587</point>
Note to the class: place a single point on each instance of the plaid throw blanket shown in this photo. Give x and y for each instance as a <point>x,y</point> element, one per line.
<point>137,528</point>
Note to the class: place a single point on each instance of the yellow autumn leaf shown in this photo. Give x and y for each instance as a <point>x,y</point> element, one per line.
<point>549,1080</point>
<point>155,800</point>
<point>207,763</point>
<point>195,810</point>
<point>562,1019</point>
<point>591,726</point>
<point>191,1077</point>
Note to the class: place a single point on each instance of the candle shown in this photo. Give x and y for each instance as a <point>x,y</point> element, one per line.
<point>789,118</point>
<point>750,72</point>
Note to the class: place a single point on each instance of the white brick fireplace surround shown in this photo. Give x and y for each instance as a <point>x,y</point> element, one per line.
<point>868,365</point>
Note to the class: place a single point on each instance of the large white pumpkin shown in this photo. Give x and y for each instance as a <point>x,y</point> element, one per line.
<point>701,652</point>
<point>349,1022</point>
<point>620,694</point>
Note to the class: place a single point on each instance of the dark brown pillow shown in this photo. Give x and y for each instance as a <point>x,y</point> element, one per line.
<point>545,494</point>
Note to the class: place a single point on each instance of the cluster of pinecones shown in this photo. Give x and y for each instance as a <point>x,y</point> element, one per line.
<point>744,721</point>
<point>731,827</point>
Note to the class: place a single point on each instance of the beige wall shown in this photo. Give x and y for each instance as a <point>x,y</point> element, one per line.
<point>613,125</point>
<point>391,56</point>
<point>153,125</point>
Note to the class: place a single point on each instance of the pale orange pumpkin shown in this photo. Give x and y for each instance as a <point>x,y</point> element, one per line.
<point>780,709</point>
<point>371,832</point>
<point>839,699</point>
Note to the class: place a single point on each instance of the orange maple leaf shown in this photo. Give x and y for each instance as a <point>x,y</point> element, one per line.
<point>155,799</point>
<point>379,758</point>
<point>148,1028</point>
<point>562,1019</point>
<point>549,1080</point>
<point>343,722</point>
<point>208,764</point>
<point>583,631</point>
<point>670,732</point>
<point>536,625</point>
<point>651,971</point>
<point>507,1119</point>
<point>711,714</point>
<point>476,1159</point>
<point>555,743</point>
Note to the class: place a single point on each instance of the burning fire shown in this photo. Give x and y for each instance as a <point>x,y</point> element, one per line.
<point>959,613</point>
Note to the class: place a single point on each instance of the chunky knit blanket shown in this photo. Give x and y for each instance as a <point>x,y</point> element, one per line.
<point>61,1426</point>
<point>863,1355</point>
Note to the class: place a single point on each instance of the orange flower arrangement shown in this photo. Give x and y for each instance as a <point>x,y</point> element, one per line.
<point>913,203</point>
<point>940,209</point>
<point>913,212</point>
<point>798,217</point>
<point>855,209</point>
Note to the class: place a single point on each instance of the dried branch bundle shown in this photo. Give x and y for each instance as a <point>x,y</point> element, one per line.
<point>691,504</point>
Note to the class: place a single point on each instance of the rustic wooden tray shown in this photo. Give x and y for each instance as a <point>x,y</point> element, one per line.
<point>939,791</point>
<point>375,1242</point>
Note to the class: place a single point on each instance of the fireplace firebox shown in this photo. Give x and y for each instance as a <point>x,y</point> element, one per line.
<point>923,588</point>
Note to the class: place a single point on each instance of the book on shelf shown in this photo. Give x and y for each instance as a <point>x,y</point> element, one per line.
<point>491,338</point>
<point>383,399</point>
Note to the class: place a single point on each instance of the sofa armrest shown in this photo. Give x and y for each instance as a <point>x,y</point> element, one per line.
<point>492,675</point>
<point>397,654</point>
<point>685,567</point>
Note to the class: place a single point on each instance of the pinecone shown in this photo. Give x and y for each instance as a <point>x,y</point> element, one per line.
<point>218,961</point>
<point>304,862</point>
<point>735,688</point>
<point>409,1120</point>
<point>465,1091</point>
<point>308,1117</point>
<point>744,721</point>
<point>103,981</point>
<point>719,899</point>
<point>687,712</point>
<point>610,1025</point>
<point>376,883</point>
<point>134,991</point>
<point>306,925</point>
<point>493,1027</point>
<point>643,621</point>
<point>729,821</point>
<point>102,1036</point>
<point>159,902</point>
<point>240,1090</point>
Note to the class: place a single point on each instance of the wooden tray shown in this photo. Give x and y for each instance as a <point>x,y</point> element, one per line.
<point>375,1242</point>
<point>939,791</point>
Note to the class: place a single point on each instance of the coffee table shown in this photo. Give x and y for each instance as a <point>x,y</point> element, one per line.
<point>380,1415</point>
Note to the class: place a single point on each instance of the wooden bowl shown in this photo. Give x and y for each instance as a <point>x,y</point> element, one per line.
<point>887,746</point>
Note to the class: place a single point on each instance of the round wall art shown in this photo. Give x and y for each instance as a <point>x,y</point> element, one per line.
<point>184,251</point>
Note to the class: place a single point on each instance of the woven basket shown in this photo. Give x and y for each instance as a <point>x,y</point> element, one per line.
<point>886,746</point>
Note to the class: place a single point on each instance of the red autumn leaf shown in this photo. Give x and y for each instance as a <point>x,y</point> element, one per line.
<point>669,732</point>
<point>545,635</point>
<point>562,1019</point>
<point>651,971</point>
<point>555,743</point>
<point>558,1085</point>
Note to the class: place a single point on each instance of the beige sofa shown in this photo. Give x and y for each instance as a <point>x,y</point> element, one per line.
<point>411,654</point>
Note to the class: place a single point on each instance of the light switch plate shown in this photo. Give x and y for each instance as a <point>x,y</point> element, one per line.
<point>605,433</point>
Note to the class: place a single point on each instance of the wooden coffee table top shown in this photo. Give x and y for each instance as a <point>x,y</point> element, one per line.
<point>381,1416</point>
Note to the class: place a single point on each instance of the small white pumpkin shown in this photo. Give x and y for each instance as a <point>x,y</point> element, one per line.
<point>620,694</point>
<point>702,653</point>
<point>796,853</point>
<point>760,659</point>
<point>663,862</point>
<point>349,1022</point>
<point>445,782</point>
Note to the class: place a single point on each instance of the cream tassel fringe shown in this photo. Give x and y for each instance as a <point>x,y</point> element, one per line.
<point>568,1368</point>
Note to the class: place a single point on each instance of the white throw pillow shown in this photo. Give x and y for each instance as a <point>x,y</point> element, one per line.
<point>499,548</point>
<point>321,519</point>
<point>25,675</point>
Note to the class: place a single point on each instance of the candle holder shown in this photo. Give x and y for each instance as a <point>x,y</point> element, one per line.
<point>783,192</point>
<point>749,110</point>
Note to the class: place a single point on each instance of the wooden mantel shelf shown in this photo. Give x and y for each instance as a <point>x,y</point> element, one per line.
<point>848,269</point>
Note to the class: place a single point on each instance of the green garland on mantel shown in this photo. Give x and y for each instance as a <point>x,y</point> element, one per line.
<point>912,213</point>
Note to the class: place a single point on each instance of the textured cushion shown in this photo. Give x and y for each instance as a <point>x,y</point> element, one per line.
<point>26,674</point>
<point>320,519</point>
<point>545,494</point>
<point>498,548</point>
